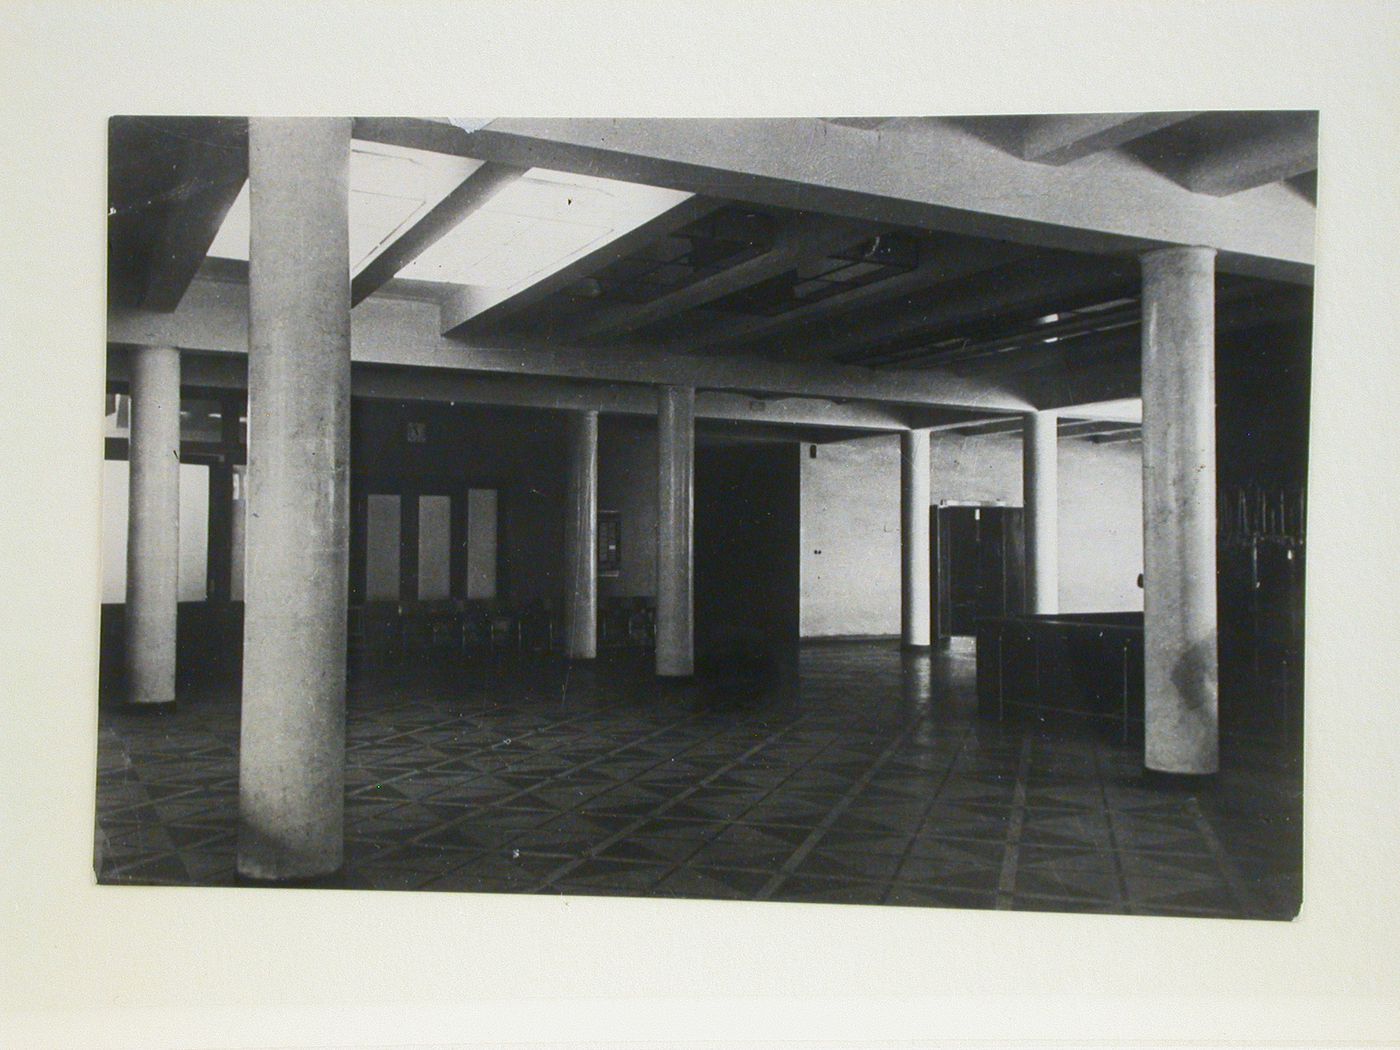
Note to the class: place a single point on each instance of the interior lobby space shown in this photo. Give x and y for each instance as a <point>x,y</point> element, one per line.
<point>903,511</point>
<point>871,783</point>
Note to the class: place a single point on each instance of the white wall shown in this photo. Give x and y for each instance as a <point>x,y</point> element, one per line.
<point>434,548</point>
<point>850,538</point>
<point>482,511</point>
<point>1100,527</point>
<point>627,484</point>
<point>194,530</point>
<point>383,538</point>
<point>850,523</point>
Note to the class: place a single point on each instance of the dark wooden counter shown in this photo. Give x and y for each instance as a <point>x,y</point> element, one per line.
<point>1079,666</point>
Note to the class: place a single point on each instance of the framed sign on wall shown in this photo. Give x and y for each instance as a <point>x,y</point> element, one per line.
<point>609,543</point>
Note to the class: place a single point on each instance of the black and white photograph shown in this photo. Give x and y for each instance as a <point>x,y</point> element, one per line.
<point>699,525</point>
<point>904,511</point>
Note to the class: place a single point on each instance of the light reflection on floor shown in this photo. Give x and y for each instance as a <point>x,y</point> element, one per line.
<point>867,779</point>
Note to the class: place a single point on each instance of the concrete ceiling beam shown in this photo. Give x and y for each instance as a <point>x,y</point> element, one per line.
<point>1063,139</point>
<point>214,318</point>
<point>228,372</point>
<point>473,192</point>
<point>471,311</point>
<point>930,174</point>
<point>811,239</point>
<point>939,266</point>
<point>1043,283</point>
<point>1286,149</point>
<point>212,172</point>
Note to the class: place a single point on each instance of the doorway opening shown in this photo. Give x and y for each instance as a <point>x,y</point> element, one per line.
<point>978,566</point>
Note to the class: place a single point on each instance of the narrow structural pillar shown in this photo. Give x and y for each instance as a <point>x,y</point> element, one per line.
<point>581,538</point>
<point>675,644</point>
<point>1041,494</point>
<point>916,604</point>
<point>292,755</point>
<point>153,525</point>
<point>1178,469</point>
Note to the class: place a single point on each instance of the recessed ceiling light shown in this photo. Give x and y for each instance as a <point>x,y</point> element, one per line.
<point>391,188</point>
<point>536,225</point>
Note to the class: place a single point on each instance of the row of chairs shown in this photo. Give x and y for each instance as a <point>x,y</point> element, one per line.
<point>626,622</point>
<point>380,629</point>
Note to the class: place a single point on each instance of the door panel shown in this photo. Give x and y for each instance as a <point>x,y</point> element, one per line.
<point>978,566</point>
<point>434,548</point>
<point>382,540</point>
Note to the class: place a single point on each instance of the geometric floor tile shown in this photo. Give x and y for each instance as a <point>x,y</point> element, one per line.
<point>873,783</point>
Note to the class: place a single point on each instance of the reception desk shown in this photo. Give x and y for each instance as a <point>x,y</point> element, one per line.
<point>1080,667</point>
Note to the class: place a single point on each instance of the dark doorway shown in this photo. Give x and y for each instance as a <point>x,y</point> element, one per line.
<point>747,568</point>
<point>978,564</point>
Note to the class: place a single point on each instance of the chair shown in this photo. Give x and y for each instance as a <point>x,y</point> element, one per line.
<point>641,623</point>
<point>504,630</point>
<point>474,623</point>
<point>613,619</point>
<point>380,627</point>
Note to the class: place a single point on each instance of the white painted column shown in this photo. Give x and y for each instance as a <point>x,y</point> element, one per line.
<point>675,644</point>
<point>1178,467</point>
<point>153,525</point>
<point>1041,495</point>
<point>916,601</point>
<point>292,753</point>
<point>581,538</point>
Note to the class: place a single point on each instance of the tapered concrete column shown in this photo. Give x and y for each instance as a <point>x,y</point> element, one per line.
<point>675,644</point>
<point>292,758</point>
<point>581,539</point>
<point>916,605</point>
<point>153,525</point>
<point>1041,494</point>
<point>1178,469</point>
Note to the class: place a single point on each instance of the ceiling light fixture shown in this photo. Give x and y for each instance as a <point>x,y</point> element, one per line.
<point>391,188</point>
<point>537,225</point>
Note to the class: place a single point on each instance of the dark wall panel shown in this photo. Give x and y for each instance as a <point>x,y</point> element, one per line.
<point>747,558</point>
<point>1263,378</point>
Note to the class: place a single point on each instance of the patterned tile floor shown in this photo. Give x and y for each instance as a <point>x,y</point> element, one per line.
<point>871,781</point>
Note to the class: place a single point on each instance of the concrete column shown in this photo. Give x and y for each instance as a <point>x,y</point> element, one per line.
<point>581,539</point>
<point>292,757</point>
<point>675,644</point>
<point>916,605</point>
<point>1041,494</point>
<point>1178,469</point>
<point>238,531</point>
<point>153,525</point>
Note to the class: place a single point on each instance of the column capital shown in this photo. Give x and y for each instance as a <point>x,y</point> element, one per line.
<point>1179,253</point>
<point>683,390</point>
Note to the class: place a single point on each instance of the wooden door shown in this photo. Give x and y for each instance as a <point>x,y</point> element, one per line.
<point>977,562</point>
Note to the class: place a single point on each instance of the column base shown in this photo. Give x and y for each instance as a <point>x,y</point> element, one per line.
<point>1158,780</point>
<point>916,647</point>
<point>143,707</point>
<point>330,880</point>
